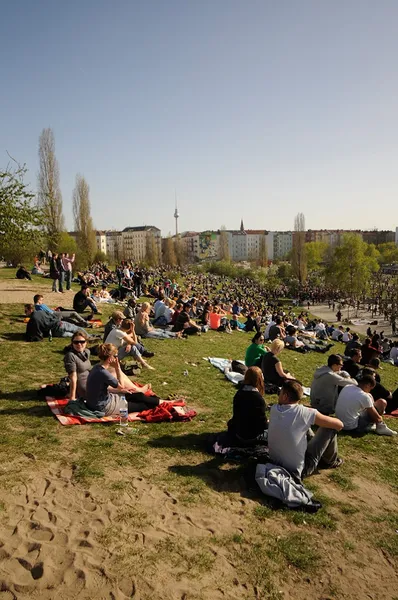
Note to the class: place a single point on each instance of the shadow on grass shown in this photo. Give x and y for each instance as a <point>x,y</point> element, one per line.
<point>190,441</point>
<point>32,411</point>
<point>20,396</point>
<point>14,337</point>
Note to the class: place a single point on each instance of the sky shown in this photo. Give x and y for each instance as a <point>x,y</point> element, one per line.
<point>250,109</point>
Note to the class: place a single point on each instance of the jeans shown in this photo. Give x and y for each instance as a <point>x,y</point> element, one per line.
<point>136,351</point>
<point>138,402</point>
<point>71,316</point>
<point>63,329</point>
<point>61,280</point>
<point>323,446</point>
<point>54,286</point>
<point>68,279</point>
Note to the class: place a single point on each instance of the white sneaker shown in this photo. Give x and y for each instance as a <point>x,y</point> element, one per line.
<point>382,429</point>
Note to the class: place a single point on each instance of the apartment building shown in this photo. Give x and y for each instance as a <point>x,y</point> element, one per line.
<point>134,240</point>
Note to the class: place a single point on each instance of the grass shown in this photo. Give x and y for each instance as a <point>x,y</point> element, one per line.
<point>269,544</point>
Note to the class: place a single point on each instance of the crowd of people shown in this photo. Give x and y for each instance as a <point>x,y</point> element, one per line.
<point>346,393</point>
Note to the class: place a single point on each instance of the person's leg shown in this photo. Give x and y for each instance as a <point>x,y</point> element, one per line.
<point>61,281</point>
<point>322,446</point>
<point>54,286</point>
<point>71,316</point>
<point>91,305</point>
<point>138,402</point>
<point>68,279</point>
<point>380,405</point>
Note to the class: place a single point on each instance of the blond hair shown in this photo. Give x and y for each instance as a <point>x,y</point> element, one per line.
<point>277,346</point>
<point>106,350</point>
<point>117,315</point>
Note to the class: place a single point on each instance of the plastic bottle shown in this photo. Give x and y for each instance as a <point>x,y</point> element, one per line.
<point>124,412</point>
<point>50,336</point>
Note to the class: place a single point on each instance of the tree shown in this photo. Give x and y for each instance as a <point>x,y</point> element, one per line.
<point>169,255</point>
<point>299,261</point>
<point>388,253</point>
<point>20,237</point>
<point>67,243</point>
<point>263,252</point>
<point>351,266</point>
<point>49,192</point>
<point>316,255</point>
<point>224,245</point>
<point>180,252</point>
<point>152,254</point>
<point>86,241</point>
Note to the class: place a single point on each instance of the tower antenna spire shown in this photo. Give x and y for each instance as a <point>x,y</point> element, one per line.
<point>176,214</point>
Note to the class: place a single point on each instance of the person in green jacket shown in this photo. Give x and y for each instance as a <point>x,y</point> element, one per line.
<point>256,351</point>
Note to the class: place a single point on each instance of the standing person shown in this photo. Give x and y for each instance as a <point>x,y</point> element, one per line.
<point>54,272</point>
<point>61,273</point>
<point>67,264</point>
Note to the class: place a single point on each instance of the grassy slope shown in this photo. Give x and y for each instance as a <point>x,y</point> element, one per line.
<point>173,454</point>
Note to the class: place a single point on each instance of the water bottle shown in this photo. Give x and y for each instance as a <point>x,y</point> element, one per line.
<point>124,412</point>
<point>50,336</point>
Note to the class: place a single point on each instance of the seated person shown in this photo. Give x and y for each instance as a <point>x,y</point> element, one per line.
<point>271,365</point>
<point>256,351</point>
<point>100,379</point>
<point>326,383</point>
<point>353,343</point>
<point>77,365</point>
<point>131,309</point>
<point>277,330</point>
<point>23,273</point>
<point>251,323</point>
<point>337,334</point>
<point>41,323</point>
<point>352,365</point>
<point>368,352</point>
<point>70,316</point>
<point>287,434</point>
<point>394,354</point>
<point>248,421</point>
<point>379,391</point>
<point>357,410</point>
<point>82,300</point>
<point>127,344</point>
<point>184,324</point>
<point>144,329</point>
<point>113,323</point>
<point>347,336</point>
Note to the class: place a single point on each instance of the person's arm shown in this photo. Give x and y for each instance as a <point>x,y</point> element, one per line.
<point>72,385</point>
<point>281,372</point>
<point>374,415</point>
<point>342,381</point>
<point>329,422</point>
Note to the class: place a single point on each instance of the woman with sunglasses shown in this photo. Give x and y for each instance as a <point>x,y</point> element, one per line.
<point>256,351</point>
<point>77,365</point>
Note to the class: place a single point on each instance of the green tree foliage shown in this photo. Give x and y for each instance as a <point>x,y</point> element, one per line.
<point>316,255</point>
<point>351,266</point>
<point>49,195</point>
<point>67,243</point>
<point>20,219</point>
<point>86,242</point>
<point>388,253</point>
<point>263,252</point>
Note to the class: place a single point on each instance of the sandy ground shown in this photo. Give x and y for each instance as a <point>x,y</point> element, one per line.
<point>22,291</point>
<point>324,312</point>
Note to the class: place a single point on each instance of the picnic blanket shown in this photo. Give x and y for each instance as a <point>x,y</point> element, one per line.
<point>174,410</point>
<point>224,365</point>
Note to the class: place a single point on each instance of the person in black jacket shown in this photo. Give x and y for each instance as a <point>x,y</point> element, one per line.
<point>352,365</point>
<point>248,421</point>
<point>41,323</point>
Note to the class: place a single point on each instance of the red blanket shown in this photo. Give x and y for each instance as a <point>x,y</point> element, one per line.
<point>175,410</point>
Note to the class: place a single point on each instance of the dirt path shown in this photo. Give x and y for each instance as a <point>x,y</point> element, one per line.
<point>16,291</point>
<point>324,312</point>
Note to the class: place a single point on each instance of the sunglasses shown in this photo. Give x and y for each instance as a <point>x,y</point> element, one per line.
<point>79,342</point>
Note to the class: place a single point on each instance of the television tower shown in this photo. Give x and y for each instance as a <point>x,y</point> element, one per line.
<point>176,215</point>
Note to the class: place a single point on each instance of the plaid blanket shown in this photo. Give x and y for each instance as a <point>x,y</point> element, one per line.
<point>175,410</point>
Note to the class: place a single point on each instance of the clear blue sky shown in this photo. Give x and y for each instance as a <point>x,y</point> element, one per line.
<point>249,108</point>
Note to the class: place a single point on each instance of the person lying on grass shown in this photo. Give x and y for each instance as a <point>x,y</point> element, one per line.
<point>70,316</point>
<point>249,422</point>
<point>288,427</point>
<point>100,379</point>
<point>127,343</point>
<point>41,323</point>
<point>358,411</point>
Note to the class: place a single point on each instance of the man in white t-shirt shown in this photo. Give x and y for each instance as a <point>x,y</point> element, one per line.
<point>288,427</point>
<point>358,411</point>
<point>125,341</point>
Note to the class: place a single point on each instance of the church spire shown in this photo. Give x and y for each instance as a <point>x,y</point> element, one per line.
<point>241,225</point>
